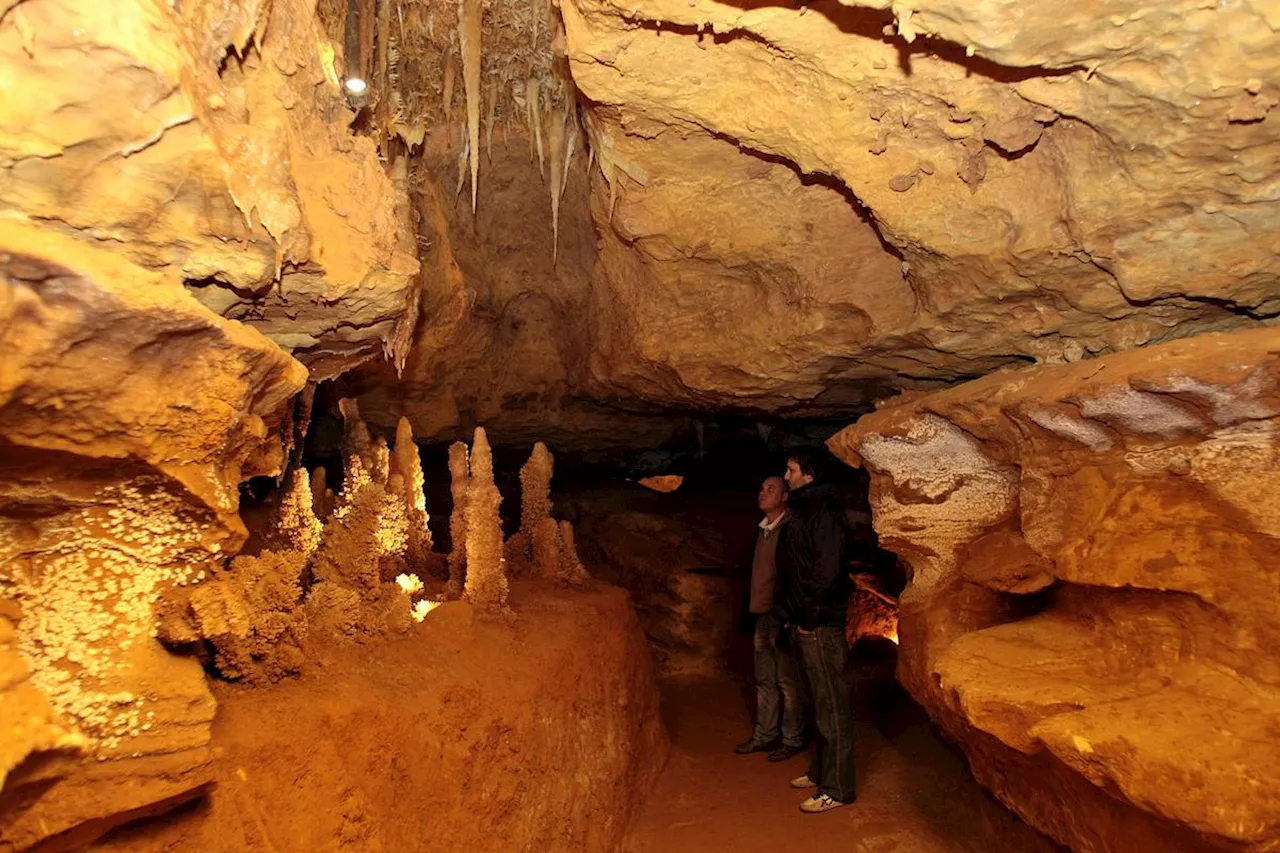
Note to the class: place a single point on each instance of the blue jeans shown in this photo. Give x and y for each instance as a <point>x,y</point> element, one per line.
<point>822,656</point>
<point>779,699</point>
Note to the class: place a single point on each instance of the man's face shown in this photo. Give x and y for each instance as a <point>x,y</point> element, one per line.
<point>772,495</point>
<point>795,477</point>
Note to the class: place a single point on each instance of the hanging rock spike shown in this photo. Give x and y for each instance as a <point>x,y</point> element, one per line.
<point>470,22</point>
<point>556,146</point>
<point>534,107</point>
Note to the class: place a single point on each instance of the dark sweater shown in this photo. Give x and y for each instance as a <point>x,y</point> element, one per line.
<point>813,583</point>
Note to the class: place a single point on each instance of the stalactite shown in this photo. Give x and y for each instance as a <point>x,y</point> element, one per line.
<point>464,150</point>
<point>556,149</point>
<point>494,89</point>
<point>571,145</point>
<point>450,76</point>
<point>533,110</point>
<point>470,21</point>
<point>486,585</point>
<point>460,482</point>
<point>384,44</point>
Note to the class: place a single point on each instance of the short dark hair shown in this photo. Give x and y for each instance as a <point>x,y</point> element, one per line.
<point>808,461</point>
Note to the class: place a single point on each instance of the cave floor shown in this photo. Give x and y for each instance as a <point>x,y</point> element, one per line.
<point>915,793</point>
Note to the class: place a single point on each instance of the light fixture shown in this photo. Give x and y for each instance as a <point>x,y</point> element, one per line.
<point>355,86</point>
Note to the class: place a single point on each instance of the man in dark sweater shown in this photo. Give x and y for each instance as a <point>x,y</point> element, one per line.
<point>813,594</point>
<point>778,699</point>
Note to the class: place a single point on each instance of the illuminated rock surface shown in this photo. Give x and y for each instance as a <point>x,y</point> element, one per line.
<point>1093,612</point>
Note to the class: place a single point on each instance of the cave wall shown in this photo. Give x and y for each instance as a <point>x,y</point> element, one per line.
<point>211,141</point>
<point>1093,613</point>
<point>506,328</point>
<point>1044,185</point>
<point>190,234</point>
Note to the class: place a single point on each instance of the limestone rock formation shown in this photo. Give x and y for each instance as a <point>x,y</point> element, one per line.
<point>363,544</point>
<point>648,543</point>
<point>1093,611</point>
<point>486,585</point>
<point>542,545</point>
<point>117,487</point>
<point>165,170</point>
<point>252,613</point>
<point>459,484</point>
<point>509,335</point>
<point>407,466</point>
<point>985,187</point>
<point>211,139</point>
<point>935,190</point>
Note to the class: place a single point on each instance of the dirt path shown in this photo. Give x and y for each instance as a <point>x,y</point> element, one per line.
<point>915,794</point>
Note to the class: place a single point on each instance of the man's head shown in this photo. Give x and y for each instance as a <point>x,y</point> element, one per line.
<point>802,469</point>
<point>773,495</point>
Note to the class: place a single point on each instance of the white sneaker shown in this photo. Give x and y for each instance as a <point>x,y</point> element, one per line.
<point>803,782</point>
<point>820,803</point>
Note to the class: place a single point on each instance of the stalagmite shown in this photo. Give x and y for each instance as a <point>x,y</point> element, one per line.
<point>380,461</point>
<point>528,549</point>
<point>460,483</point>
<point>470,20</point>
<point>406,472</point>
<point>535,488</point>
<point>571,568</point>
<point>321,494</point>
<point>355,439</point>
<point>296,524</point>
<point>486,585</point>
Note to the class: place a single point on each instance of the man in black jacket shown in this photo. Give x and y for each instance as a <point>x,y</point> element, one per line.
<point>813,587</point>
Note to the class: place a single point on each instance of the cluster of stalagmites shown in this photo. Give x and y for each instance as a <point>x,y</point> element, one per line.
<point>351,563</point>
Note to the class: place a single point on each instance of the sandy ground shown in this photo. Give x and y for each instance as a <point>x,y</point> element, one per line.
<point>915,793</point>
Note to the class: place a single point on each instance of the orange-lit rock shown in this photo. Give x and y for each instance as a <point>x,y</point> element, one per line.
<point>117,486</point>
<point>165,170</point>
<point>209,139</point>
<point>1093,610</point>
<point>663,483</point>
<point>803,207</point>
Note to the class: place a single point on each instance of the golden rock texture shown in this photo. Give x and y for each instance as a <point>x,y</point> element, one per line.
<point>211,140</point>
<point>406,465</point>
<point>1093,611</point>
<point>506,335</point>
<point>542,545</point>
<point>459,485</point>
<point>117,487</point>
<point>165,171</point>
<point>486,585</point>
<point>803,207</point>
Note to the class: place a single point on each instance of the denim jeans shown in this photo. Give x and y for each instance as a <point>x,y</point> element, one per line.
<point>779,698</point>
<point>822,655</point>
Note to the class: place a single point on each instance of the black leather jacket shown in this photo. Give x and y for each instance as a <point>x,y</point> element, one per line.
<point>813,584</point>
